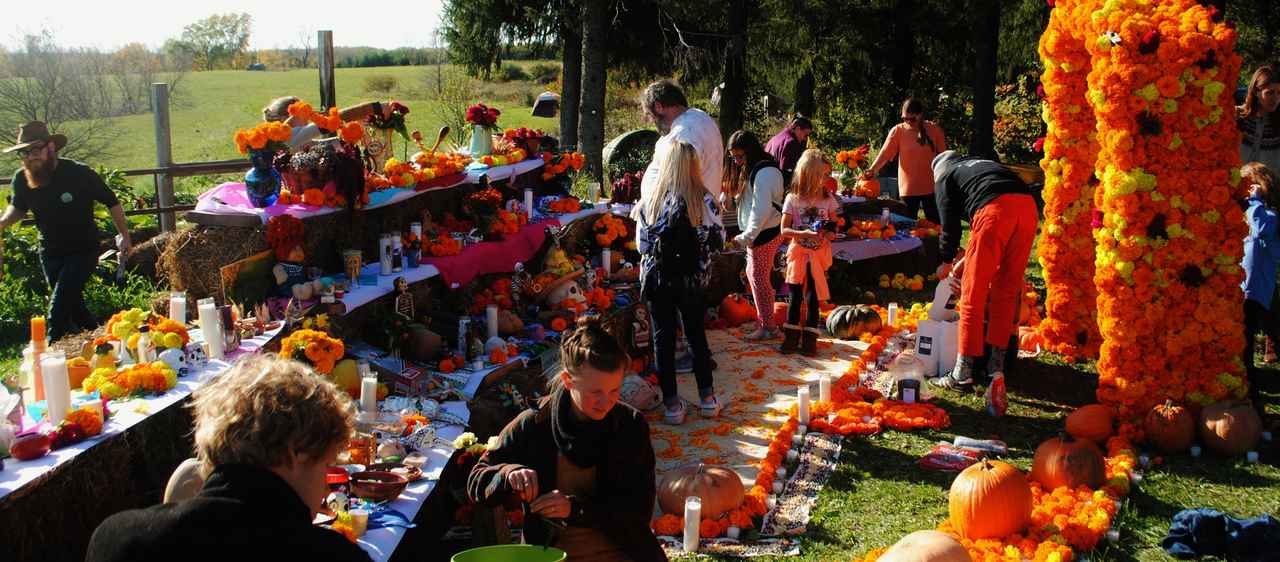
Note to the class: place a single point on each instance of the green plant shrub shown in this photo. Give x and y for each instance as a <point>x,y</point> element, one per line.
<point>511,73</point>
<point>1018,121</point>
<point>379,83</point>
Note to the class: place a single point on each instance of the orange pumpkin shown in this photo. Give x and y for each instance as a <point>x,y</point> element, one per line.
<point>926,546</point>
<point>1231,427</point>
<point>1170,427</point>
<point>1094,422</point>
<point>869,188</point>
<point>498,356</point>
<point>1029,338</point>
<point>446,365</point>
<point>559,324</point>
<point>990,499</point>
<point>736,310</point>
<point>1067,461</point>
<point>720,489</point>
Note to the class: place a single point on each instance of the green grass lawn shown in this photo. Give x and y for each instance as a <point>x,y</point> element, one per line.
<point>210,106</point>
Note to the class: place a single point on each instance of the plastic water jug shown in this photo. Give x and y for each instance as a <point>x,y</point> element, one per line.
<point>908,366</point>
<point>943,308</point>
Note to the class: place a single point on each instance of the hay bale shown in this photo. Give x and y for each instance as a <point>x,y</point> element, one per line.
<point>192,258</point>
<point>145,257</point>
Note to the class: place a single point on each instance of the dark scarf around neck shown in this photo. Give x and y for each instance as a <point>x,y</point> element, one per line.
<point>582,441</point>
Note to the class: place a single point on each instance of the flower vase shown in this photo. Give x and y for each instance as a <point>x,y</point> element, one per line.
<point>481,142</point>
<point>412,257</point>
<point>262,181</point>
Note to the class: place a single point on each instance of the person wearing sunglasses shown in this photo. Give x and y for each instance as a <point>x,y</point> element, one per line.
<point>914,142</point>
<point>61,194</point>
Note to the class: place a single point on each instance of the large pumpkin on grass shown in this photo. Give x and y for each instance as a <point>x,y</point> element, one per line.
<point>720,489</point>
<point>1067,461</point>
<point>849,322</point>
<point>1230,428</point>
<point>1094,422</point>
<point>990,499</point>
<point>926,546</point>
<point>736,310</point>
<point>1170,427</point>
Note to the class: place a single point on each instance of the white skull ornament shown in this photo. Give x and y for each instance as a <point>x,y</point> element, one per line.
<point>569,291</point>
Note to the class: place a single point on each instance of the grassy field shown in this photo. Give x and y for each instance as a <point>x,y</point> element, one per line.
<point>210,106</point>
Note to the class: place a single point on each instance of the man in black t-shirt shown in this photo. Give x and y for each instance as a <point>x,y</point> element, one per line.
<point>61,193</point>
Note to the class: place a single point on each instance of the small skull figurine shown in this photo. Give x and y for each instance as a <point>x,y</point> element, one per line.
<point>566,292</point>
<point>196,358</point>
<point>176,359</point>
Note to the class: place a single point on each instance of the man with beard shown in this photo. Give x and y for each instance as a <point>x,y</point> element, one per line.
<point>60,193</point>
<point>664,104</point>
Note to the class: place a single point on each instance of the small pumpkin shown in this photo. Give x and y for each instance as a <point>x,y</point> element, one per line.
<point>1231,427</point>
<point>869,188</point>
<point>1170,427</point>
<point>446,365</point>
<point>1067,461</point>
<point>990,499</point>
<point>1029,338</point>
<point>926,546</point>
<point>559,324</point>
<point>1094,422</point>
<point>849,322</point>
<point>498,356</point>
<point>736,310</point>
<point>719,488</point>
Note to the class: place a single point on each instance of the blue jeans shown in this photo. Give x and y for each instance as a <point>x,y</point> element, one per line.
<point>67,276</point>
<point>691,308</point>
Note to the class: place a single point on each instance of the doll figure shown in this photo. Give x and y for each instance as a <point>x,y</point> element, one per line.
<point>285,235</point>
<point>404,299</point>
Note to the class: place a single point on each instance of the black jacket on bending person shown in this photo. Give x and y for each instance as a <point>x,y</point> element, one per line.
<point>962,187</point>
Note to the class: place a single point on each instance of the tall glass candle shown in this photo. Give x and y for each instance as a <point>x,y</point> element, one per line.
<point>893,313</point>
<point>692,519</point>
<point>38,344</point>
<point>57,385</point>
<point>824,388</point>
<point>491,316</point>
<point>178,307</point>
<point>606,260</point>
<point>211,328</point>
<point>803,394</point>
<point>528,203</point>
<point>369,394</point>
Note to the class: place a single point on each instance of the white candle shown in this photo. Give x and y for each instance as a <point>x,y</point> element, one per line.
<point>369,395</point>
<point>893,313</point>
<point>178,308</point>
<point>384,256</point>
<point>803,394</point>
<point>528,203</point>
<point>777,487</point>
<point>1113,535</point>
<point>416,229</point>
<point>477,365</point>
<point>606,261</point>
<point>491,315</point>
<point>796,439</point>
<point>57,387</point>
<point>781,472</point>
<point>733,532</point>
<point>802,429</point>
<point>792,455</point>
<point>692,519</point>
<point>771,502</point>
<point>211,327</point>
<point>824,388</point>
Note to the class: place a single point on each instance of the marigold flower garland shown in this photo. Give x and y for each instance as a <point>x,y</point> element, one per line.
<point>1066,249</point>
<point>145,378</point>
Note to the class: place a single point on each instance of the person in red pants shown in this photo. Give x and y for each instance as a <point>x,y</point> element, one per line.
<point>1002,219</point>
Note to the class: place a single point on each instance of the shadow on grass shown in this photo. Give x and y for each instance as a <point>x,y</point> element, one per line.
<point>1058,383</point>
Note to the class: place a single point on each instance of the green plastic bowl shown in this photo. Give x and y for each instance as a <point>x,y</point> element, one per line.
<point>510,553</point>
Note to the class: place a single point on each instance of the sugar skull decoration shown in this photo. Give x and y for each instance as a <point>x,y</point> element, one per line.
<point>176,359</point>
<point>196,358</point>
<point>565,292</point>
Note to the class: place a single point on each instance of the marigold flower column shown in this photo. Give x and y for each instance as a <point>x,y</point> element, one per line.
<point>1169,242</point>
<point>1066,247</point>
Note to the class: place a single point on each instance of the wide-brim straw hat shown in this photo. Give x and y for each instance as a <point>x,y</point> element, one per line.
<point>34,132</point>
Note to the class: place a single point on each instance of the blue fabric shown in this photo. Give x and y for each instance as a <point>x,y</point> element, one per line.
<point>1208,532</point>
<point>387,517</point>
<point>1261,253</point>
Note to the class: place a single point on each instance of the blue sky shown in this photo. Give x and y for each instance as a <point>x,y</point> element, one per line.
<point>109,24</point>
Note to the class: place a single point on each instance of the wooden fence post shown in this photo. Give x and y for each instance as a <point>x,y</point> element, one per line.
<point>328,96</point>
<point>164,155</point>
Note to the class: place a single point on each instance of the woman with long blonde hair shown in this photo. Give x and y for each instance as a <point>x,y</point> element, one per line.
<point>809,216</point>
<point>677,230</point>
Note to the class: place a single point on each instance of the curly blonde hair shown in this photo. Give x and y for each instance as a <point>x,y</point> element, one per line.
<point>263,409</point>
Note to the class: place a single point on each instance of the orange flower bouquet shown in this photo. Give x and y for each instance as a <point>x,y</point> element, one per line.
<point>555,164</point>
<point>313,348</point>
<point>271,136</point>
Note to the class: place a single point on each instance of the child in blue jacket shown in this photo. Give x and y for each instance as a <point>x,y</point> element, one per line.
<point>1261,257</point>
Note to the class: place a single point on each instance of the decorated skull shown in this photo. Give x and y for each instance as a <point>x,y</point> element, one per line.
<point>196,359</point>
<point>176,359</point>
<point>566,292</point>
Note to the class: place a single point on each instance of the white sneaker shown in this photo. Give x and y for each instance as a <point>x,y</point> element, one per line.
<point>674,416</point>
<point>711,407</point>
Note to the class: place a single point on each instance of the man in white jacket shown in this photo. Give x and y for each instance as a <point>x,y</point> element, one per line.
<point>664,104</point>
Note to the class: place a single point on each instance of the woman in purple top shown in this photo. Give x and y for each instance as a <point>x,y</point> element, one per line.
<point>787,146</point>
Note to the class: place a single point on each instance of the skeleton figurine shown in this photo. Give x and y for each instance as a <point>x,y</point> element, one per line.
<point>520,280</point>
<point>404,299</point>
<point>293,313</point>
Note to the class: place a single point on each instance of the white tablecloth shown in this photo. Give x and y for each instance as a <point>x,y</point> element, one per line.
<point>380,543</point>
<point>124,415</point>
<point>858,250</point>
<point>365,294</point>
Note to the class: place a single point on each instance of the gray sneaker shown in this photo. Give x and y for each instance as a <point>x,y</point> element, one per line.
<point>674,416</point>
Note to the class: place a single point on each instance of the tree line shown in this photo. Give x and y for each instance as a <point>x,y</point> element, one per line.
<point>848,64</point>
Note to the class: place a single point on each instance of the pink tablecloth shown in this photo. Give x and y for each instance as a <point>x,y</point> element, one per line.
<point>491,257</point>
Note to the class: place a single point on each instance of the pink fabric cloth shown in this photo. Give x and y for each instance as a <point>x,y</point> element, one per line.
<point>759,266</point>
<point>491,257</point>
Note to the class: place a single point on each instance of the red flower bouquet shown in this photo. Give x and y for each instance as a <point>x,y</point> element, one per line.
<point>480,114</point>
